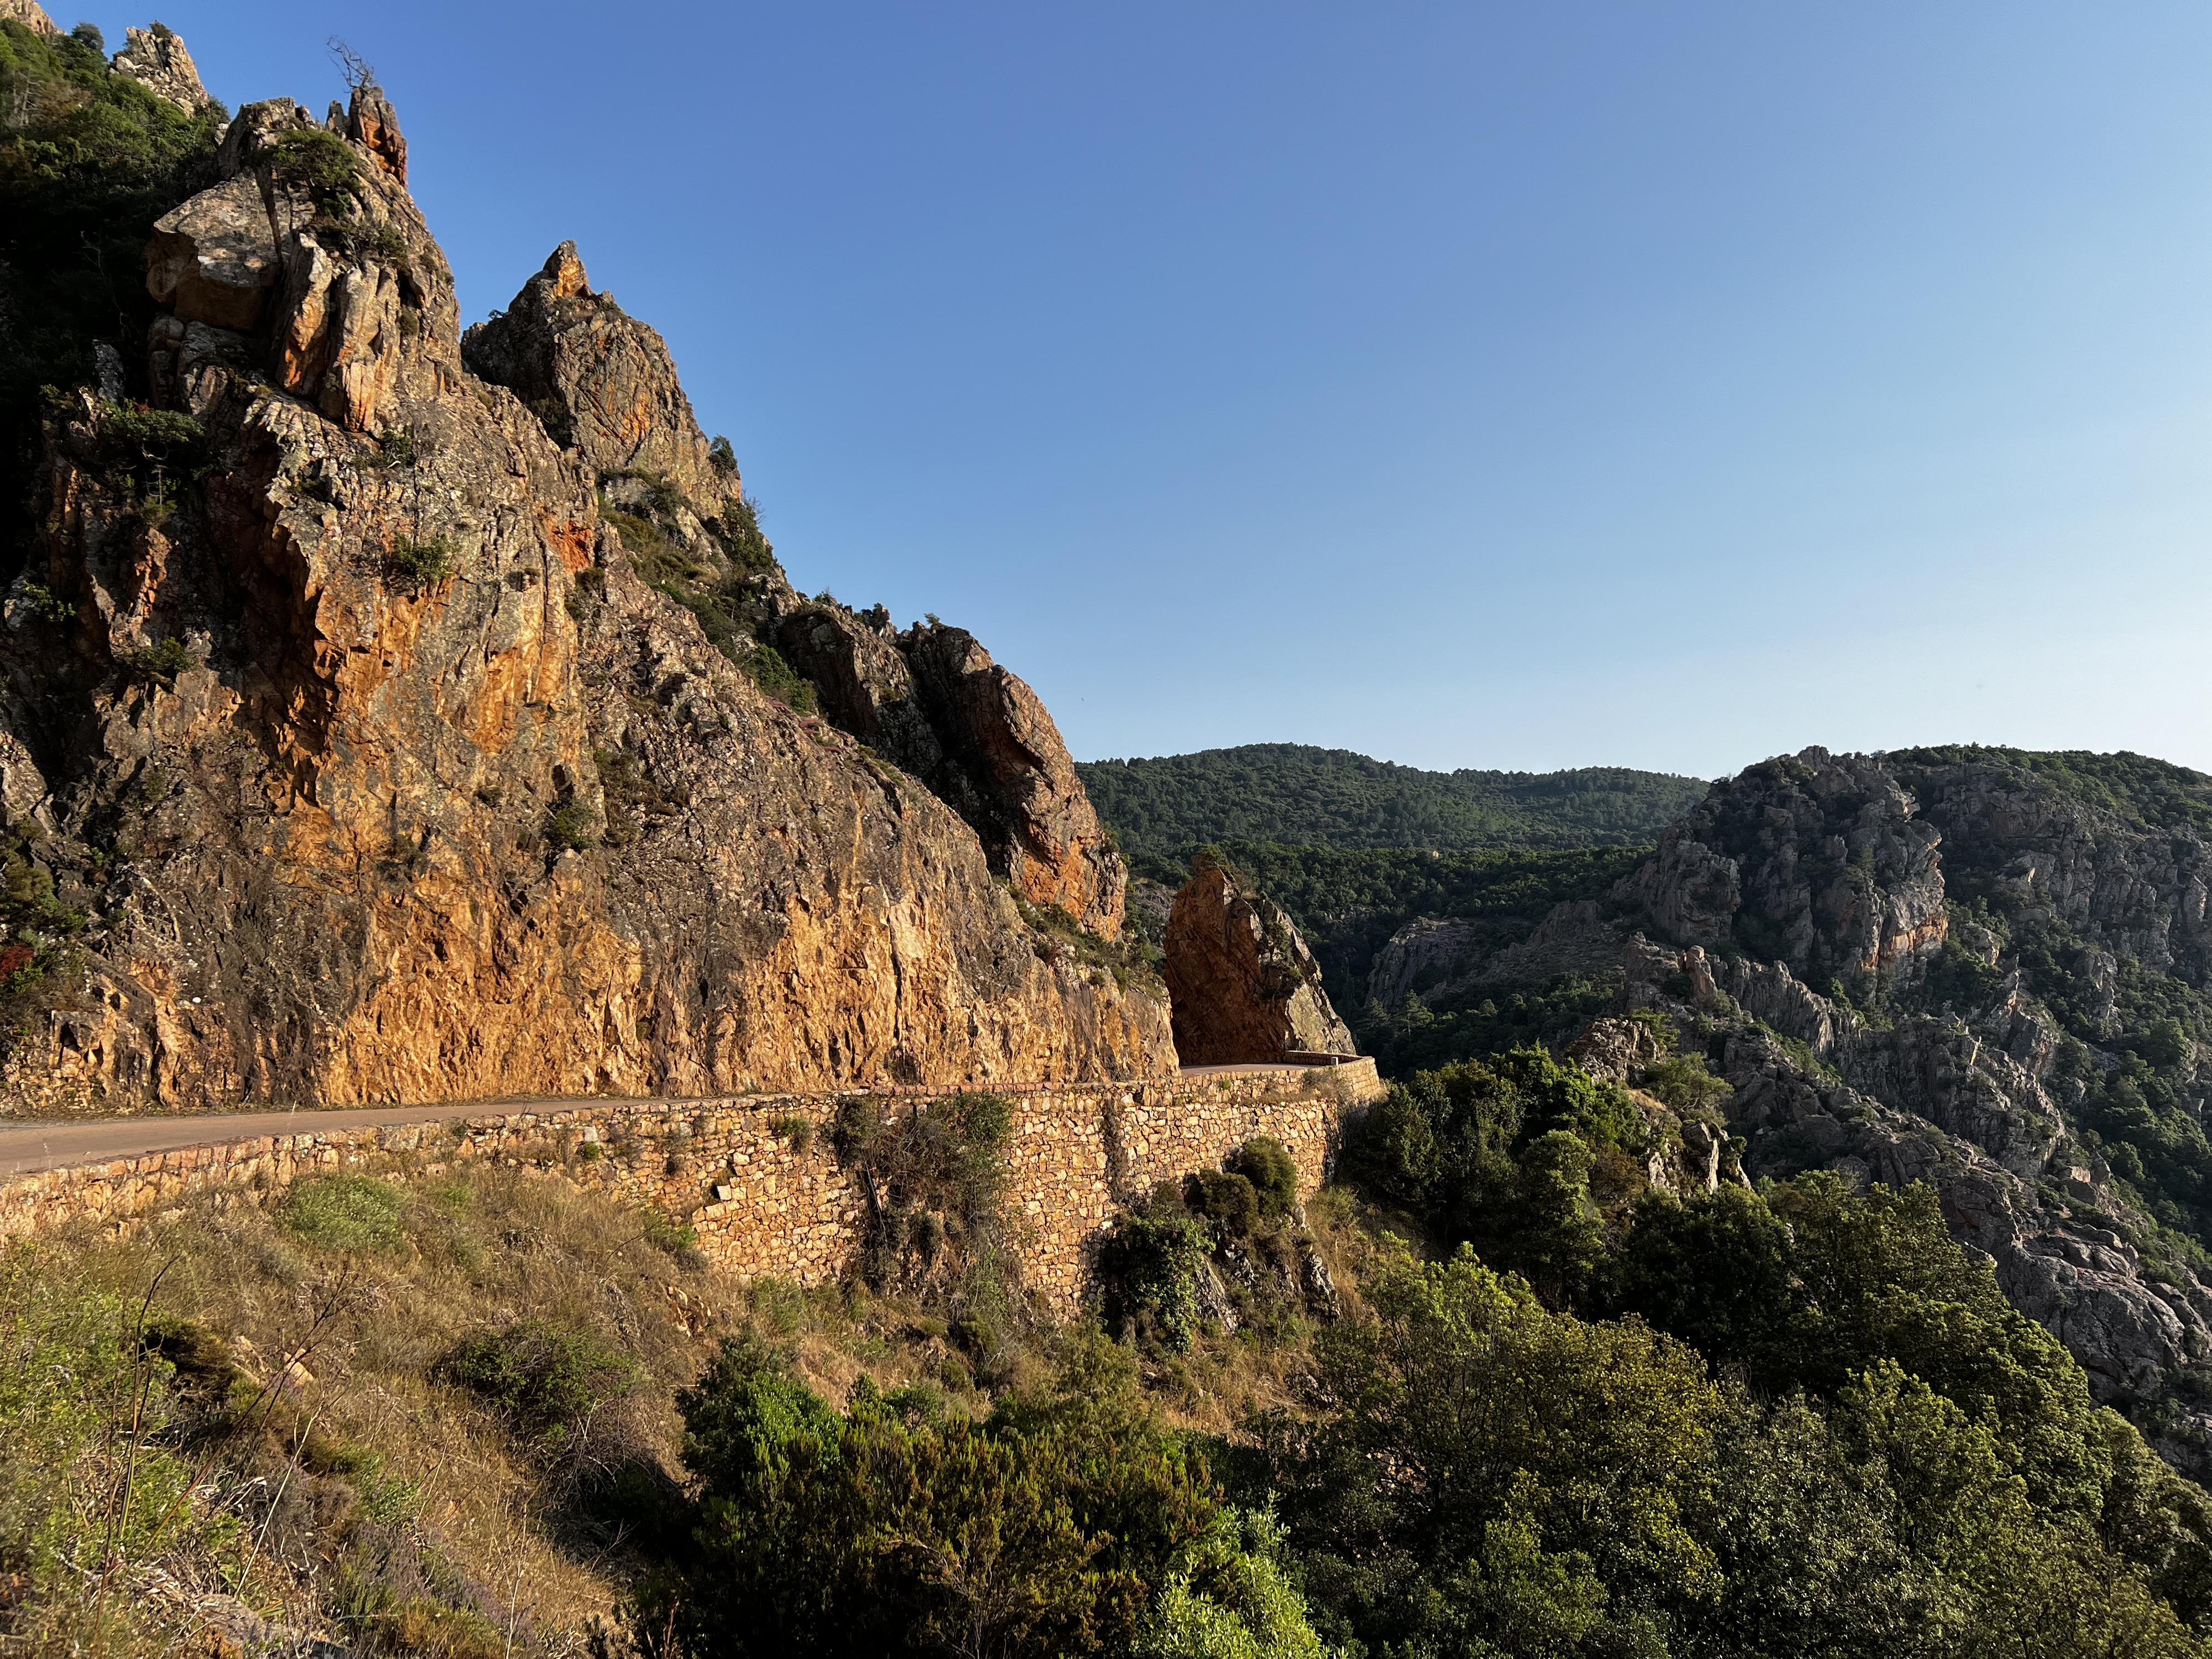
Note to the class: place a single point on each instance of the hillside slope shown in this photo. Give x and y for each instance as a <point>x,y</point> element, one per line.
<point>1980,969</point>
<point>1302,796</point>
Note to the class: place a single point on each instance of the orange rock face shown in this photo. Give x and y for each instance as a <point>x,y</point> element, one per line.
<point>1245,986</point>
<point>932,701</point>
<point>424,794</point>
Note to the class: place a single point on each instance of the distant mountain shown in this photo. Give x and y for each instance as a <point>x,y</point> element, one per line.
<point>1298,795</point>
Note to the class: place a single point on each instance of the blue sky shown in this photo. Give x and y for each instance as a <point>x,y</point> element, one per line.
<point>1469,385</point>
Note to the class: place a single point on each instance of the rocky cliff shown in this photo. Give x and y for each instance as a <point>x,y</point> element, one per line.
<point>931,701</point>
<point>2010,960</point>
<point>1246,989</point>
<point>387,717</point>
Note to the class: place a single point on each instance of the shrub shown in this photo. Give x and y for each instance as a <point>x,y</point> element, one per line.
<point>547,1379</point>
<point>346,1213</point>
<point>394,448</point>
<point>776,677</point>
<point>164,661</point>
<point>1268,1164</point>
<point>1393,1151</point>
<point>421,563</point>
<point>1683,1082</point>
<point>738,530</point>
<point>572,826</point>
<point>1226,1198</point>
<point>795,1133</point>
<point>665,1232</point>
<point>320,164</point>
<point>47,606</point>
<point>898,1527</point>
<point>935,1171</point>
<point>1150,1269</point>
<point>386,243</point>
<point>638,534</point>
<point>154,432</point>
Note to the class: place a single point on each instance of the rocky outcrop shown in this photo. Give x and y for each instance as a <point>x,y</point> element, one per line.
<point>347,758</point>
<point>1927,1099</point>
<point>1244,987</point>
<point>1816,859</point>
<point>863,682</point>
<point>2010,929</point>
<point>2041,858</point>
<point>1427,952</point>
<point>1438,960</point>
<point>156,59</point>
<point>931,701</point>
<point>29,14</point>
<point>309,261</point>
<point>1011,776</point>
<point>601,382</point>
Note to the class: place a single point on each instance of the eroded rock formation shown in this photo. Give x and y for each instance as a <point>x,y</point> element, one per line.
<point>1245,989</point>
<point>344,756</point>
<point>931,699</point>
<point>29,14</point>
<point>156,59</point>
<point>602,382</point>
<point>1970,1058</point>
<point>1814,860</point>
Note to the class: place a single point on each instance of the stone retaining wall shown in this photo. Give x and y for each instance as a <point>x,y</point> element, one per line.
<point>756,1175</point>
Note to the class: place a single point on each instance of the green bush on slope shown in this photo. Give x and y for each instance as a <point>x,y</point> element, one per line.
<point>88,161</point>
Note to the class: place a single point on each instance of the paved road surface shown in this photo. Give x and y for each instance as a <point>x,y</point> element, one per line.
<point>28,1148</point>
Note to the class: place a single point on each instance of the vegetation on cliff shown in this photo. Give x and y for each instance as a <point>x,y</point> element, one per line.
<point>2139,789</point>
<point>89,160</point>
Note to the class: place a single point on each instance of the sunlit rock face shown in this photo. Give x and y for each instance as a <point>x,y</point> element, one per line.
<point>339,714</point>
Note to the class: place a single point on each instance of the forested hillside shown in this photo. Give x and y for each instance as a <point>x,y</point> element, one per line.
<point>1301,796</point>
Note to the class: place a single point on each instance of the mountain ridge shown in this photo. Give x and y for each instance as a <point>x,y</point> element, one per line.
<point>1299,794</point>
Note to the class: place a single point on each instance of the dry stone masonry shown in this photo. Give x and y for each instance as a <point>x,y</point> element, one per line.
<point>756,1175</point>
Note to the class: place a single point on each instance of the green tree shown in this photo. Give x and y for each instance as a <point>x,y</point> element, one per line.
<point>1498,1473</point>
<point>1553,1230</point>
<point>1063,1525</point>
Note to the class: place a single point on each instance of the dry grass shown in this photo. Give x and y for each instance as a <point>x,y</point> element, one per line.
<point>361,1496</point>
<point>360,1445</point>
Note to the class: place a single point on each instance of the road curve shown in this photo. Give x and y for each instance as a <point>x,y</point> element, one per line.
<point>28,1148</point>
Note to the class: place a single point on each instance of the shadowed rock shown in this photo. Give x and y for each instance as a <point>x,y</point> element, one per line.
<point>1244,988</point>
<point>933,703</point>
<point>1816,859</point>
